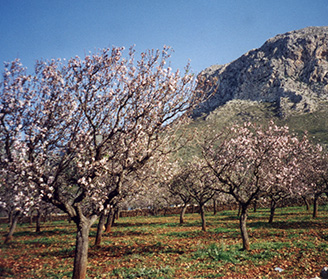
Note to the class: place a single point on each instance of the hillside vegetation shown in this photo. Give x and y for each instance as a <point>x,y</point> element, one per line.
<point>239,111</point>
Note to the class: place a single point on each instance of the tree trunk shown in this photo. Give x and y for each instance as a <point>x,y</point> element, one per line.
<point>239,211</point>
<point>31,217</point>
<point>182,213</point>
<point>307,204</point>
<point>202,214</point>
<point>47,216</point>
<point>243,229</point>
<point>117,213</point>
<point>214,207</point>
<point>100,229</point>
<point>115,216</point>
<point>11,213</point>
<point>110,220</point>
<point>315,206</point>
<point>14,219</point>
<point>255,205</point>
<point>272,210</point>
<point>81,248</point>
<point>38,222</point>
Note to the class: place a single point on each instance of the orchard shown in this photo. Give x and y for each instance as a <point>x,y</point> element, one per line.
<point>87,135</point>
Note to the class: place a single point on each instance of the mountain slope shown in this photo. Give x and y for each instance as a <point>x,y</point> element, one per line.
<point>289,70</point>
<point>286,79</point>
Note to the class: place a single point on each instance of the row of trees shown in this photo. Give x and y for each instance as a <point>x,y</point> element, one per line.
<point>249,163</point>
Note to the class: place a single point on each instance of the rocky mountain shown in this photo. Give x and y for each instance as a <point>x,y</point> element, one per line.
<point>290,71</point>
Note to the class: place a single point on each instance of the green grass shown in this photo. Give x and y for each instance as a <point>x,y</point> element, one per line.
<point>159,247</point>
<point>219,253</point>
<point>233,254</point>
<point>271,245</point>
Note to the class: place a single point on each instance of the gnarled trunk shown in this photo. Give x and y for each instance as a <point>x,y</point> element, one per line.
<point>100,229</point>
<point>239,210</point>
<point>82,245</point>
<point>110,220</point>
<point>83,225</point>
<point>182,213</point>
<point>243,229</point>
<point>14,216</point>
<point>307,204</point>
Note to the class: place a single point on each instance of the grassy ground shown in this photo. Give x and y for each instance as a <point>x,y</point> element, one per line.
<point>158,247</point>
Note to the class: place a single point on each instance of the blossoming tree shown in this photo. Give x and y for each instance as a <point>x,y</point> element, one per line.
<point>194,180</point>
<point>176,188</point>
<point>15,201</point>
<point>73,130</point>
<point>286,171</point>
<point>313,178</point>
<point>249,161</point>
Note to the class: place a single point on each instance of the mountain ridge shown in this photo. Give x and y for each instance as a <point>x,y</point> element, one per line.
<point>289,71</point>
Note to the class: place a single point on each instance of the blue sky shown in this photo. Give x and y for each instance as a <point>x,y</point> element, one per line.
<point>205,31</point>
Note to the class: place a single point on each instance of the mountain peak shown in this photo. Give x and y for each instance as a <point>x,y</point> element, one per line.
<point>290,70</point>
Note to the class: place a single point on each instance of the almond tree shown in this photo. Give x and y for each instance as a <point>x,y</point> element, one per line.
<point>176,187</point>
<point>195,179</point>
<point>313,178</point>
<point>15,197</point>
<point>201,185</point>
<point>75,129</point>
<point>15,201</point>
<point>243,159</point>
<point>286,171</point>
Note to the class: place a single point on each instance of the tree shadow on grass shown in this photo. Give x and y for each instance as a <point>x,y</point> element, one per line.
<point>6,272</point>
<point>289,225</point>
<point>140,249</point>
<point>137,225</point>
<point>114,250</point>
<point>157,225</point>
<point>43,233</point>
<point>117,251</point>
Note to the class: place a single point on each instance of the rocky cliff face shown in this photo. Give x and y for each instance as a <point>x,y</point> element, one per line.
<point>290,70</point>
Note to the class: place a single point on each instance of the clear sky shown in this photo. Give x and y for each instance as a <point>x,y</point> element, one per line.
<point>205,31</point>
